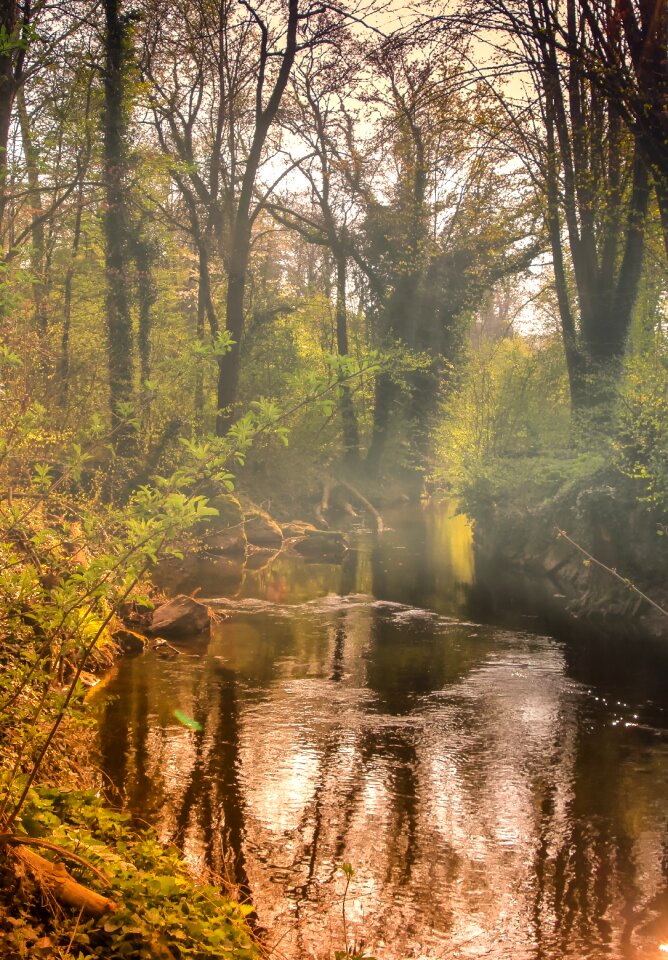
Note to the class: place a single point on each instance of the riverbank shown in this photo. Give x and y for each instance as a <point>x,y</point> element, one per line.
<point>585,547</point>
<point>80,878</point>
<point>86,883</point>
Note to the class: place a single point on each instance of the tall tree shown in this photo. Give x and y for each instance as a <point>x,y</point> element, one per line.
<point>245,207</point>
<point>594,179</point>
<point>446,226</point>
<point>120,338</point>
<point>214,113</point>
<point>625,57</point>
<point>318,126</point>
<point>15,29</point>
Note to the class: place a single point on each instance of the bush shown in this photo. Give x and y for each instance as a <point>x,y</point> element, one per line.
<point>512,402</point>
<point>642,436</point>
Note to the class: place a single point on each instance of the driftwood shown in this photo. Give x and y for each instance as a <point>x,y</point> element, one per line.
<point>54,878</point>
<point>380,526</point>
<point>324,504</point>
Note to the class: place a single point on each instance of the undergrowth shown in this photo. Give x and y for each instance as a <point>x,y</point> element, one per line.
<point>160,911</point>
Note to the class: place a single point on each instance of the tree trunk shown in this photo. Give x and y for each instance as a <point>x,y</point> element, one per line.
<point>385,400</point>
<point>37,253</point>
<point>8,23</point>
<point>120,345</point>
<point>146,295</point>
<point>64,371</point>
<point>661,190</point>
<point>348,417</point>
<point>630,271</point>
<point>228,365</point>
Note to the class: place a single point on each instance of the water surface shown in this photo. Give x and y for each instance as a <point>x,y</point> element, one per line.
<point>497,792</point>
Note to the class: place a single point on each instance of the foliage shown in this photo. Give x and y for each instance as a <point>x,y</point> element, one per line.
<point>160,908</point>
<point>642,435</point>
<point>511,402</point>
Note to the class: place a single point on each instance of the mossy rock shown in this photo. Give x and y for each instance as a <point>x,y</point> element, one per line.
<point>226,532</point>
<point>262,530</point>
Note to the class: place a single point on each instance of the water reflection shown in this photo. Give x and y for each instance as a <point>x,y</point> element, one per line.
<point>490,803</point>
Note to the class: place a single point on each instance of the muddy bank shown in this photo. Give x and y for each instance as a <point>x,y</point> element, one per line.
<point>523,556</point>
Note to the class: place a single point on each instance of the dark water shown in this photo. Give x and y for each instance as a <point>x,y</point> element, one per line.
<point>498,793</point>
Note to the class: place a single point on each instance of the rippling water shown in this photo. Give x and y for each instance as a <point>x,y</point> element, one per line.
<point>497,793</point>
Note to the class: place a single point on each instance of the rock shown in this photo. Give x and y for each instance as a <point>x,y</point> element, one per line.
<point>226,532</point>
<point>262,530</point>
<point>180,616</point>
<point>320,545</point>
<point>558,554</point>
<point>129,640</point>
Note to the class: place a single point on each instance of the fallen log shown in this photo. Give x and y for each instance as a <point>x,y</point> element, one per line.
<point>55,879</point>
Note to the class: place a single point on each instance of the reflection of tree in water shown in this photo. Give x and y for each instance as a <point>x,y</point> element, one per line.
<point>225,777</point>
<point>124,730</point>
<point>141,781</point>
<point>213,790</point>
<point>331,812</point>
<point>114,740</point>
<point>347,586</point>
<point>406,576</point>
<point>210,807</point>
<point>196,797</point>
<point>397,749</point>
<point>595,864</point>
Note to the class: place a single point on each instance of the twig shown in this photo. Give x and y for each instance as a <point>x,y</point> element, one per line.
<point>612,571</point>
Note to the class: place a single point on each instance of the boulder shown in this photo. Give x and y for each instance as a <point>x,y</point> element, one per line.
<point>226,532</point>
<point>179,617</point>
<point>320,545</point>
<point>262,530</point>
<point>129,641</point>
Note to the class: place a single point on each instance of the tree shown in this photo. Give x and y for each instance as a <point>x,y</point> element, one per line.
<point>120,336</point>
<point>217,126</point>
<point>319,124</point>
<point>594,181</point>
<point>625,56</point>
<point>15,32</point>
<point>448,224</point>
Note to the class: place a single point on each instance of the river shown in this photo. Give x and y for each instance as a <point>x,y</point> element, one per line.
<point>389,768</point>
